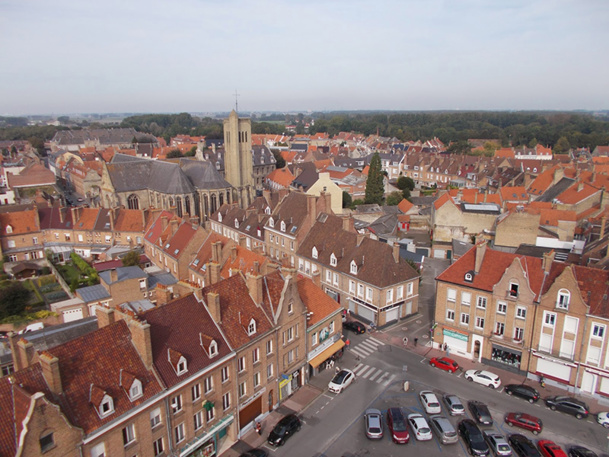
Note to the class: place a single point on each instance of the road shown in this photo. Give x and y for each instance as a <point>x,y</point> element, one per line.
<point>333,425</point>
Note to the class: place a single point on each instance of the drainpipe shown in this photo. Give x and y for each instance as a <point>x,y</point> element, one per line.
<point>581,351</point>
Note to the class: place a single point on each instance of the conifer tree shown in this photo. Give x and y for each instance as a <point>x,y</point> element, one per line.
<point>375,189</point>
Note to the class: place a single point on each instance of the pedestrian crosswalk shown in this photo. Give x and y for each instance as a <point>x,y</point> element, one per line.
<point>367,347</point>
<point>373,374</point>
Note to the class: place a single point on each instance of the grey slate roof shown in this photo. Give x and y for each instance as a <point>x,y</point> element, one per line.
<point>104,136</point>
<point>55,335</point>
<point>93,293</point>
<point>124,273</point>
<point>556,190</point>
<point>137,306</point>
<point>162,277</point>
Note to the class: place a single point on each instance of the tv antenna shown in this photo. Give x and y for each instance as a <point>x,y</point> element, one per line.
<point>236,101</point>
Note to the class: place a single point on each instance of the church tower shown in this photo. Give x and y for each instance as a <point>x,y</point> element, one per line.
<point>238,166</point>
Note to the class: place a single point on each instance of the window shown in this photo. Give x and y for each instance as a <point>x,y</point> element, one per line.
<point>499,328</point>
<point>289,334</point>
<point>242,389</point>
<point>46,442</point>
<point>99,450</point>
<point>155,417</point>
<point>513,292</point>
<point>198,420</point>
<point>479,322</point>
<point>196,390</point>
<point>335,279</point>
<point>107,406</point>
<point>136,390</point>
<point>225,374</point>
<point>269,371</point>
<point>390,296</point>
<point>314,252</point>
<point>400,292</point>
<point>562,301</point>
<point>291,356</point>
<point>129,434</point>
<point>518,333</point>
<point>209,414</point>
<point>290,308</point>
<point>521,312</point>
<point>80,238</point>
<point>598,331</point>
<point>269,347</point>
<point>369,293</point>
<point>466,298</point>
<point>35,241</point>
<point>314,339</point>
<point>226,401</point>
<point>333,260</point>
<point>409,289</point>
<point>549,319</point>
<point>179,433</point>
<point>501,307</point>
<point>11,243</point>
<point>450,315</point>
<point>181,366</point>
<point>256,379</point>
<point>251,328</point>
<point>481,302</point>
<point>360,290</point>
<point>451,295</point>
<point>241,364</point>
<point>213,348</point>
<point>256,355</point>
<point>353,268</point>
<point>208,384</point>
<point>329,276</point>
<point>351,287</point>
<point>176,404</point>
<point>157,446</point>
<point>465,318</point>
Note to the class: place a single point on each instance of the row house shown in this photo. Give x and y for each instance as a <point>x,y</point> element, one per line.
<point>367,277</point>
<point>244,227</point>
<point>21,235</point>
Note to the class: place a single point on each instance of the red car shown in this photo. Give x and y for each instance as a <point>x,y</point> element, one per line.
<point>444,363</point>
<point>550,449</point>
<point>526,421</point>
<point>396,423</point>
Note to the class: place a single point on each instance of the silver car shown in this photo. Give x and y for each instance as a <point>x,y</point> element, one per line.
<point>498,444</point>
<point>454,405</point>
<point>374,425</point>
<point>444,429</point>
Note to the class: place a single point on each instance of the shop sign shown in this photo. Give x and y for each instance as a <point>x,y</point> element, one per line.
<point>455,334</point>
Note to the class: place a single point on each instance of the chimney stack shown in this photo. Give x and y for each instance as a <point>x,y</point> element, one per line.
<point>348,224</point>
<point>548,258</point>
<point>50,371</point>
<point>360,238</point>
<point>105,316</point>
<point>396,252</point>
<point>603,224</point>
<point>213,303</point>
<point>174,226</point>
<point>480,251</point>
<point>112,217</point>
<point>312,208</point>
<point>254,284</point>
<point>113,276</point>
<point>23,351</point>
<point>164,222</point>
<point>140,337</point>
<point>61,216</point>
<point>233,253</point>
<point>216,250</point>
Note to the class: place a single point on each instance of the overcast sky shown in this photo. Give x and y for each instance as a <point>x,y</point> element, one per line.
<point>77,56</point>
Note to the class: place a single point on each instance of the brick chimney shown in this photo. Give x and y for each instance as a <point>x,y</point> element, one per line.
<point>348,224</point>
<point>74,215</point>
<point>213,303</point>
<point>23,351</point>
<point>113,276</point>
<point>312,208</point>
<point>50,371</point>
<point>480,251</point>
<point>396,252</point>
<point>174,226</point>
<point>105,316</point>
<point>233,253</point>
<point>216,250</point>
<point>316,277</point>
<point>360,238</point>
<point>140,337</point>
<point>61,216</point>
<point>254,283</point>
<point>164,222</point>
<point>548,258</point>
<point>112,217</point>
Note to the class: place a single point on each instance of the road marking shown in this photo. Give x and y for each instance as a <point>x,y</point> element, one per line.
<point>376,341</point>
<point>379,371</point>
<point>391,378</point>
<point>360,368</point>
<point>368,372</point>
<point>500,390</point>
<point>460,374</point>
<point>363,350</point>
<point>360,354</point>
<point>423,360</point>
<point>367,346</point>
<point>329,396</point>
<point>382,378</point>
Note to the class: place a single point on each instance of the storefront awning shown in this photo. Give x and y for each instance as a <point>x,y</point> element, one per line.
<point>320,358</point>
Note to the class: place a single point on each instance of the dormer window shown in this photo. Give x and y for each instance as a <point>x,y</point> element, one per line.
<point>271,222</point>
<point>236,223</point>
<point>258,232</point>
<point>267,210</point>
<point>251,328</point>
<point>209,345</point>
<point>333,260</point>
<point>314,253</point>
<point>107,406</point>
<point>219,217</point>
<point>563,299</point>
<point>213,349</point>
<point>353,267</point>
<point>9,229</point>
<point>136,390</point>
<point>181,366</point>
<point>469,277</point>
<point>177,361</point>
<point>282,226</point>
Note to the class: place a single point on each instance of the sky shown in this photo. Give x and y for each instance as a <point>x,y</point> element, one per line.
<point>152,56</point>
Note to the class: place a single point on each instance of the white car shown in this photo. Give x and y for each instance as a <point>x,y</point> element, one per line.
<point>486,378</point>
<point>603,419</point>
<point>430,402</point>
<point>419,427</point>
<point>341,381</point>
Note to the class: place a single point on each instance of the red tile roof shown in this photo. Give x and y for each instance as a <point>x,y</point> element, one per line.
<point>320,304</point>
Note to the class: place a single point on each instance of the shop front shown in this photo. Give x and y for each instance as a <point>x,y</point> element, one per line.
<point>363,310</point>
<point>207,445</point>
<point>290,383</point>
<point>457,341</point>
<point>331,348</point>
<point>553,369</point>
<point>505,358</point>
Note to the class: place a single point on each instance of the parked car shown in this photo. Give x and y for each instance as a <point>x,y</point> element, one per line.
<point>285,428</point>
<point>444,429</point>
<point>550,449</point>
<point>454,405</point>
<point>473,438</point>
<point>396,423</point>
<point>523,446</point>
<point>444,363</point>
<point>480,412</point>
<point>255,453</point>
<point>568,405</point>
<point>355,326</point>
<point>522,391</point>
<point>486,378</point>
<point>525,421</point>
<point>497,444</point>
<point>420,427</point>
<point>603,419</point>
<point>374,424</point>
<point>581,451</point>
<point>430,402</point>
<point>341,381</point>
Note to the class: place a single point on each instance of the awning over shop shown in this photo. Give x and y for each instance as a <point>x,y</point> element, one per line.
<point>320,358</point>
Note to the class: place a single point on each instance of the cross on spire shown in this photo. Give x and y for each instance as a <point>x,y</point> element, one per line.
<point>236,101</point>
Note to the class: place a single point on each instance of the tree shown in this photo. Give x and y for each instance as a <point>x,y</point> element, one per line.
<point>279,161</point>
<point>63,119</point>
<point>459,147</point>
<point>173,154</point>
<point>13,299</point>
<point>404,182</point>
<point>394,198</point>
<point>131,259</point>
<point>347,199</point>
<point>375,188</point>
<point>192,152</point>
<point>562,146</point>
<point>406,194</point>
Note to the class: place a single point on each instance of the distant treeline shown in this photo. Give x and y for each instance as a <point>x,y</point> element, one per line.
<point>573,129</point>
